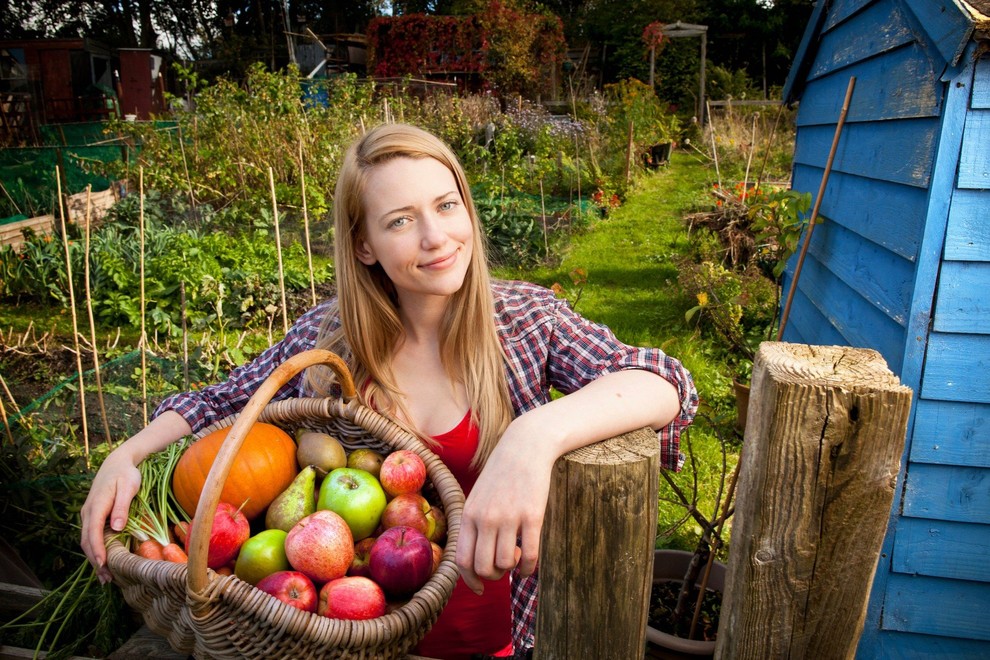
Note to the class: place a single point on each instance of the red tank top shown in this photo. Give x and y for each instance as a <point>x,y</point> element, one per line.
<point>469,623</point>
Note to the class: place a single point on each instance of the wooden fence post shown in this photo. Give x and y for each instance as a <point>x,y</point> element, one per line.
<point>817,477</point>
<point>596,554</point>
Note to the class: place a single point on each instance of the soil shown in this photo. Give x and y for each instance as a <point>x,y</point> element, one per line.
<point>663,601</point>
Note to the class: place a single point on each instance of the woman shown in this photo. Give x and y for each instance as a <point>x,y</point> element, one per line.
<point>414,320</point>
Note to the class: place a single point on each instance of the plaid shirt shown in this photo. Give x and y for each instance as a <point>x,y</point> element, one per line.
<point>547,345</point>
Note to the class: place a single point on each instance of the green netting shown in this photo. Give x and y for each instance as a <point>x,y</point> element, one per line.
<point>121,389</point>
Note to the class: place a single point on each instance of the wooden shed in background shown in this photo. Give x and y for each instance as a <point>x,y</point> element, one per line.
<point>901,264</point>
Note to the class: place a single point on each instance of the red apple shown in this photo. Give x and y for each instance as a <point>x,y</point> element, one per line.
<point>229,532</point>
<point>366,459</point>
<point>292,588</point>
<point>362,554</point>
<point>321,546</point>
<point>439,529</point>
<point>403,471</point>
<point>437,555</point>
<point>401,561</point>
<point>412,510</point>
<point>351,597</point>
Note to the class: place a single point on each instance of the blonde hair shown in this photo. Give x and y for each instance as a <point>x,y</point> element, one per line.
<point>370,328</point>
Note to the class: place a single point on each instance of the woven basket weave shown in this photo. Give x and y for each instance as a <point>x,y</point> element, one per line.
<point>215,616</point>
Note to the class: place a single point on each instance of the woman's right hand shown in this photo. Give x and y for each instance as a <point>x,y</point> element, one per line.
<point>117,482</point>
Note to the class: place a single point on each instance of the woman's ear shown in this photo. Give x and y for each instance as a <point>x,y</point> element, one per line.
<point>364,252</point>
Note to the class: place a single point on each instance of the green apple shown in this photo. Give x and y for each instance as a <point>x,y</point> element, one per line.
<point>356,496</point>
<point>261,555</point>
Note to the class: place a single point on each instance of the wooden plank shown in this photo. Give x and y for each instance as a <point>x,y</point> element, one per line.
<point>899,150</point>
<point>16,598</point>
<point>957,368</point>
<point>936,606</point>
<point>981,85</point>
<point>880,28</point>
<point>967,236</point>
<point>824,439</point>
<point>947,492</point>
<point>947,23</point>
<point>896,85</point>
<point>880,277</point>
<point>939,548</point>
<point>100,204</point>
<point>895,223</point>
<point>962,303</point>
<point>849,314</point>
<point>841,10</point>
<point>908,646</point>
<point>14,653</point>
<point>974,160</point>
<point>951,433</point>
<point>12,232</point>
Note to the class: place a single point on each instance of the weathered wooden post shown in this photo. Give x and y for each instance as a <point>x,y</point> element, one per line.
<point>596,556</point>
<point>817,477</point>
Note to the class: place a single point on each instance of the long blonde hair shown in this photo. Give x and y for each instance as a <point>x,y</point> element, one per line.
<point>370,328</point>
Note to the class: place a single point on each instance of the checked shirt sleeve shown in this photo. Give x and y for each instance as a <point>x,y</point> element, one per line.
<point>203,407</point>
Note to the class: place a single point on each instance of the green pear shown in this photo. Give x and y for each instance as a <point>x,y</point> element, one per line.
<point>320,450</point>
<point>294,503</point>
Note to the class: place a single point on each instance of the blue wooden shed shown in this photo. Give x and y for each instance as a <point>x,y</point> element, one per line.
<point>901,264</point>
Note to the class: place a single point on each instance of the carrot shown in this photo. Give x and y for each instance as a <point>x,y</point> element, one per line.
<point>149,549</point>
<point>173,553</point>
<point>181,531</point>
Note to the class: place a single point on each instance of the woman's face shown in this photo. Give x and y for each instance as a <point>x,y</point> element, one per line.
<point>417,227</point>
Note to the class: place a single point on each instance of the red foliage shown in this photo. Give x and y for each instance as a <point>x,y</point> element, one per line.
<point>417,43</point>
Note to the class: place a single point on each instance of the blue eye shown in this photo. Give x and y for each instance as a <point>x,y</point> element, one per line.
<point>447,206</point>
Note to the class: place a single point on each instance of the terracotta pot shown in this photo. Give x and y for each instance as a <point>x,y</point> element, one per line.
<point>670,565</point>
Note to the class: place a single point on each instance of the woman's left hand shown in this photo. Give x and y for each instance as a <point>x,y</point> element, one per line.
<point>508,502</point>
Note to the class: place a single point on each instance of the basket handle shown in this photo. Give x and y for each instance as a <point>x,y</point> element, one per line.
<point>199,535</point>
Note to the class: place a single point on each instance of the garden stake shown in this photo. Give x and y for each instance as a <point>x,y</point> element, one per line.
<point>185,167</point>
<point>711,132</point>
<point>309,251</point>
<point>818,204</point>
<point>749,159</point>
<point>766,154</point>
<point>6,424</point>
<point>543,213</point>
<point>144,334</point>
<point>92,324</point>
<point>278,248</point>
<point>629,150</point>
<point>75,321</point>
<point>185,335</point>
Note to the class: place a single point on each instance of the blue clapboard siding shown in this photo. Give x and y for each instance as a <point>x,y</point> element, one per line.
<point>899,151</point>
<point>938,548</point>
<point>807,324</point>
<point>963,303</point>
<point>967,236</point>
<point>944,24</point>
<point>841,10</point>
<point>957,368</point>
<point>938,607</point>
<point>981,85</point>
<point>849,43</point>
<point>851,201</point>
<point>974,161</point>
<point>951,433</point>
<point>899,85</point>
<point>947,492</point>
<point>908,646</point>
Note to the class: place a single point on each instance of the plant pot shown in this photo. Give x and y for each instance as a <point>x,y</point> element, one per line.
<point>658,154</point>
<point>742,404</point>
<point>670,565</point>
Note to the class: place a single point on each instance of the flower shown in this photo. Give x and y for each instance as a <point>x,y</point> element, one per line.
<point>653,35</point>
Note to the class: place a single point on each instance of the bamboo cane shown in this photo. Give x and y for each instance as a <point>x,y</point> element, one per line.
<point>92,324</point>
<point>278,250</point>
<point>309,250</point>
<point>818,204</point>
<point>75,320</point>
<point>144,334</point>
<point>185,167</point>
<point>749,158</point>
<point>711,132</point>
<point>3,415</point>
<point>10,396</point>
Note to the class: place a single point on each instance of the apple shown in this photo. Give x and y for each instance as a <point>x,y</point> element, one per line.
<point>292,588</point>
<point>439,530</point>
<point>261,555</point>
<point>362,555</point>
<point>321,546</point>
<point>403,471</point>
<point>437,555</point>
<point>413,510</point>
<point>401,561</point>
<point>356,496</point>
<point>352,597</point>
<point>229,532</point>
<point>366,459</point>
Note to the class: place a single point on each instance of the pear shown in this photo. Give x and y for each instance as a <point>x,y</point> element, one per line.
<point>322,451</point>
<point>294,503</point>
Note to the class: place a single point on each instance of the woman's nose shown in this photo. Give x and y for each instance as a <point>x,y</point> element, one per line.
<point>433,232</point>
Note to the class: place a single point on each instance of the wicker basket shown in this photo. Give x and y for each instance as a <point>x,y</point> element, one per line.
<point>215,616</point>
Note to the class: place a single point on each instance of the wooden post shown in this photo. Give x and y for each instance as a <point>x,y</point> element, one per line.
<point>596,554</point>
<point>817,477</point>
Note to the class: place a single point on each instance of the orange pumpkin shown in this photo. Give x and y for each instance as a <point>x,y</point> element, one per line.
<point>265,465</point>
